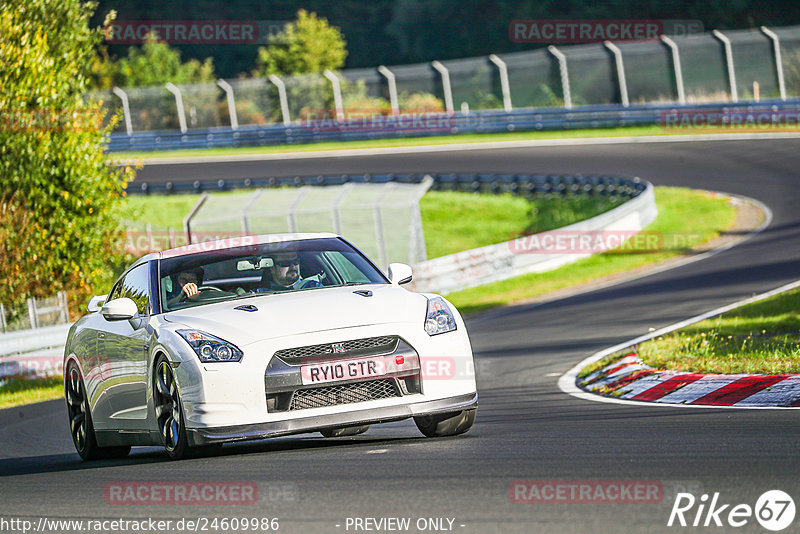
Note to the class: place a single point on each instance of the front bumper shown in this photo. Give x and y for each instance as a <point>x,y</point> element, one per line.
<point>385,414</point>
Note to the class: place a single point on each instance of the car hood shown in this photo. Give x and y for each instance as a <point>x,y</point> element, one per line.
<point>314,310</point>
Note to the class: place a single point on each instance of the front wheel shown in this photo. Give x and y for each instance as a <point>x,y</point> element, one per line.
<point>80,419</point>
<point>446,424</point>
<point>169,412</point>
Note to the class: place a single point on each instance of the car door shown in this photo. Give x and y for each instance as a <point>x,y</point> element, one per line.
<point>124,348</point>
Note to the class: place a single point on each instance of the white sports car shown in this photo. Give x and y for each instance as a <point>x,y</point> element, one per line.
<point>262,336</point>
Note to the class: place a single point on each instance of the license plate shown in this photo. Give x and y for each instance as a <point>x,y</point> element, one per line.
<point>319,373</point>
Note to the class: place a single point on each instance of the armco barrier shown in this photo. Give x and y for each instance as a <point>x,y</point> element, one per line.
<point>513,258</point>
<point>431,124</point>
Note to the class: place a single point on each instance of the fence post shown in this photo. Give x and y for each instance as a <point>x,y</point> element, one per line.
<point>3,323</point>
<point>726,43</point>
<point>337,93</point>
<point>291,219</point>
<point>392,83</point>
<point>676,66</point>
<point>32,313</point>
<point>282,97</point>
<point>623,84</point>
<point>172,88</point>
<point>225,86</point>
<point>417,252</point>
<point>126,109</point>
<point>246,210</point>
<point>776,51</point>
<point>62,301</point>
<point>187,221</point>
<point>504,87</point>
<point>562,68</point>
<point>337,221</point>
<point>448,92</point>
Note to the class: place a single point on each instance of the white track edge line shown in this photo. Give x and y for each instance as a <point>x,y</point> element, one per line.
<point>567,382</point>
<point>452,147</point>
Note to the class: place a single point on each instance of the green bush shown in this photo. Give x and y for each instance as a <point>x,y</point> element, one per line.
<point>57,192</point>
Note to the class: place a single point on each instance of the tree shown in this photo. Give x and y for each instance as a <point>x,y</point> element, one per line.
<point>155,63</point>
<point>57,192</point>
<point>307,45</point>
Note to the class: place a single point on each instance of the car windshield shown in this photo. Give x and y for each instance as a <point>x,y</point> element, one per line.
<point>242,272</point>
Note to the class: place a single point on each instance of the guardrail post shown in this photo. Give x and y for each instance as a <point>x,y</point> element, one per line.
<point>448,92</point>
<point>225,86</point>
<point>392,83</point>
<point>282,97</point>
<point>187,221</point>
<point>502,69</point>
<point>172,88</point>
<point>622,82</point>
<point>337,93</point>
<point>562,68</point>
<point>726,43</point>
<point>676,66</point>
<point>126,109</point>
<point>776,51</point>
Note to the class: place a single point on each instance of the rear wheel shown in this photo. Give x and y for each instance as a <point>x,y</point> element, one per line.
<point>169,411</point>
<point>344,431</point>
<point>80,419</point>
<point>446,424</point>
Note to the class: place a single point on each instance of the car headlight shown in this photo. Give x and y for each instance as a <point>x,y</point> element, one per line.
<point>439,318</point>
<point>211,348</point>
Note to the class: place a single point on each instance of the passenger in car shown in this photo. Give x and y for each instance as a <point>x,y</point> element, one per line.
<point>189,283</point>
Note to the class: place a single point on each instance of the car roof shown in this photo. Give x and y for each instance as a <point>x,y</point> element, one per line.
<point>233,242</point>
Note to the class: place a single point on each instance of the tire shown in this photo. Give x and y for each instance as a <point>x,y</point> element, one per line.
<point>446,424</point>
<point>169,410</point>
<point>80,420</point>
<point>344,431</point>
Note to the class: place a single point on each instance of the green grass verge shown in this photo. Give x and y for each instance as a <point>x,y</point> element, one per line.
<point>479,219</point>
<point>760,338</point>
<point>19,392</point>
<point>404,141</point>
<point>684,217</point>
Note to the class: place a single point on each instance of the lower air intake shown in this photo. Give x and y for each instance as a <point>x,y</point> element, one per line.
<point>344,394</point>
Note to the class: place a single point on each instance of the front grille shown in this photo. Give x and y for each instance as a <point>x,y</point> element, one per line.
<point>370,345</point>
<point>344,394</point>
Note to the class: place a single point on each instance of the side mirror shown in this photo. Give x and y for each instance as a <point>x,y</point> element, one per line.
<point>399,273</point>
<point>119,309</point>
<point>95,303</point>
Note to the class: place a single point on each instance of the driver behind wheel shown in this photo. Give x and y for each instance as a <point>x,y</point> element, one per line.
<point>284,275</point>
<point>189,282</point>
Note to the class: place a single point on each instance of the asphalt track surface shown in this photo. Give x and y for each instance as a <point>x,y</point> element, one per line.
<point>526,429</point>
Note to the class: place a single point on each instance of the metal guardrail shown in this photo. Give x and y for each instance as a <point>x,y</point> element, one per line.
<point>435,124</point>
<point>522,184</point>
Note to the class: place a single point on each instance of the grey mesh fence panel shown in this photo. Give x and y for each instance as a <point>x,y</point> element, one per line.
<point>110,106</point>
<point>313,212</point>
<point>475,81</point>
<point>310,96</point>
<point>358,221</point>
<point>269,213</point>
<point>364,92</point>
<point>649,72</point>
<point>152,108</point>
<point>533,79</point>
<point>397,216</point>
<point>790,56</point>
<point>705,75</point>
<point>592,74</point>
<point>419,88</point>
<point>220,217</point>
<point>754,62</point>
<point>204,105</point>
<point>256,101</point>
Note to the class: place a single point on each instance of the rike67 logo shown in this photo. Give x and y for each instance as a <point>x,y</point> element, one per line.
<point>774,510</point>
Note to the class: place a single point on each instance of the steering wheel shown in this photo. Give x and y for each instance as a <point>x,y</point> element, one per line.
<point>201,289</point>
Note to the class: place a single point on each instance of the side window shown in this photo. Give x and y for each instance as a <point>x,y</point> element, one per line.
<point>346,269</point>
<point>136,286</point>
